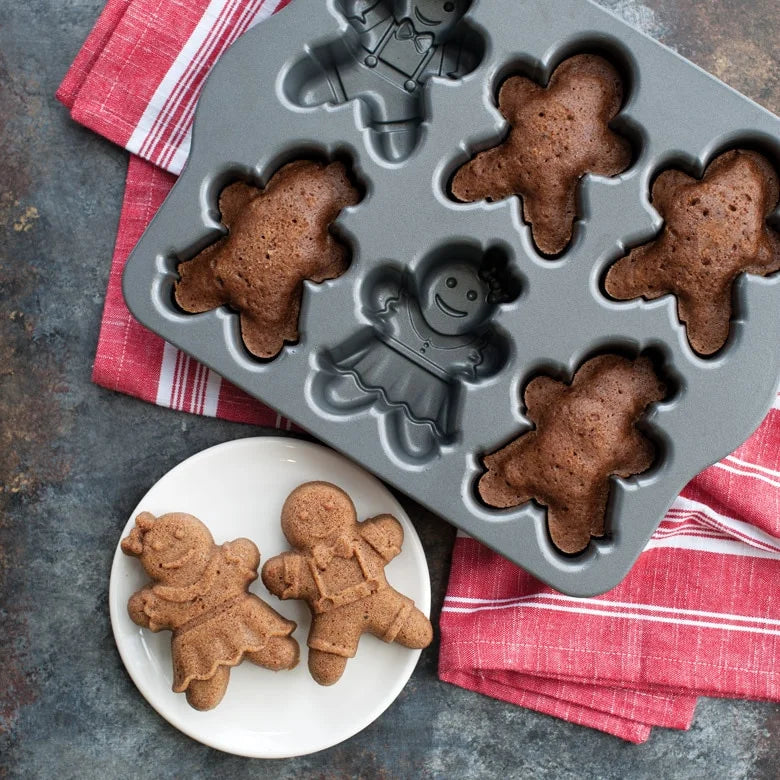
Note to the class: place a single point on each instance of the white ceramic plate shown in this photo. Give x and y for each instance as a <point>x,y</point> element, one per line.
<point>238,489</point>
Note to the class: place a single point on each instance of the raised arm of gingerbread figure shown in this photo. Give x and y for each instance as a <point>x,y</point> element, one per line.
<point>384,534</point>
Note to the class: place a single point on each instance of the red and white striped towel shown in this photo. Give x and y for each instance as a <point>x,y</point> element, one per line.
<point>698,615</point>
<point>136,81</point>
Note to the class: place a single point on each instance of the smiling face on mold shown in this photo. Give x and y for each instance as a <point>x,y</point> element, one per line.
<point>454,299</point>
<point>437,17</point>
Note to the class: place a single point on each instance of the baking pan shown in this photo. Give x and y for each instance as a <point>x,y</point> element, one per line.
<point>316,82</point>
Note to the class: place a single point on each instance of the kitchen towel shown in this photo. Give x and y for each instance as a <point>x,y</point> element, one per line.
<point>698,614</point>
<point>136,81</point>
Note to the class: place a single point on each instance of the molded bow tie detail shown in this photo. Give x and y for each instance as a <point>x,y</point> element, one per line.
<point>422,41</point>
<point>323,554</point>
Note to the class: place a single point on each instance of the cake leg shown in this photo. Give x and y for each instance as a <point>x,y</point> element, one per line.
<point>571,527</point>
<point>416,631</point>
<point>281,652</point>
<point>326,668</point>
<point>333,640</point>
<point>496,491</point>
<point>206,694</point>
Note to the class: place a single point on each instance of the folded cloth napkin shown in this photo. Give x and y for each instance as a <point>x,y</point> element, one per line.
<point>136,81</point>
<point>698,614</point>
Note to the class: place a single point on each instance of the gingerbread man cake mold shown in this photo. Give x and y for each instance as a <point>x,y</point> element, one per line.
<point>199,592</point>
<point>337,567</point>
<point>432,444</point>
<point>558,133</point>
<point>585,433</point>
<point>259,267</point>
<point>391,49</point>
<point>714,230</point>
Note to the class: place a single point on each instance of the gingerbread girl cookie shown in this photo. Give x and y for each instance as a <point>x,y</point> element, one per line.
<point>337,566</point>
<point>200,594</point>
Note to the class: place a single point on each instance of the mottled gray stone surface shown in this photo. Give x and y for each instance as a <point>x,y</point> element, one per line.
<point>75,459</point>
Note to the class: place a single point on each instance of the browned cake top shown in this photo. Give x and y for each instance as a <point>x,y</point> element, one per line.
<point>714,229</point>
<point>558,134</point>
<point>585,433</point>
<point>277,238</point>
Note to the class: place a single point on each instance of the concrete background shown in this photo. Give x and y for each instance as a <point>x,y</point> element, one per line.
<point>75,459</point>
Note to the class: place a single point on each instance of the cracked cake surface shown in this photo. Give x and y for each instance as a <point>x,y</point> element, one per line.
<point>714,230</point>
<point>557,134</point>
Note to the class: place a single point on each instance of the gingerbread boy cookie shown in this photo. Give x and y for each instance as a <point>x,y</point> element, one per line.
<point>277,238</point>
<point>200,594</point>
<point>337,566</point>
<point>585,433</point>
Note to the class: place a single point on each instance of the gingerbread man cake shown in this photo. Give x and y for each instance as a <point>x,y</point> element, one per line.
<point>557,134</point>
<point>277,238</point>
<point>714,229</point>
<point>585,433</point>
<point>200,593</point>
<point>337,567</point>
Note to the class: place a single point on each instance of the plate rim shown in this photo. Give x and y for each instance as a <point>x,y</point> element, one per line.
<point>117,604</point>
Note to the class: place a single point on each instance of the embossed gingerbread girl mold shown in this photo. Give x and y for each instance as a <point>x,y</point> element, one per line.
<point>428,336</point>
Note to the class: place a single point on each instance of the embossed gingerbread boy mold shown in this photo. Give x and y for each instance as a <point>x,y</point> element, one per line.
<point>337,566</point>
<point>392,49</point>
<point>714,229</point>
<point>277,238</point>
<point>200,594</point>
<point>585,433</point>
<point>557,134</point>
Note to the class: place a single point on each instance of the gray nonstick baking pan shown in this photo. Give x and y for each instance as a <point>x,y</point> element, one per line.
<point>319,81</point>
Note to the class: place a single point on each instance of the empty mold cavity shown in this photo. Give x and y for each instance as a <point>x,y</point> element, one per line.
<point>430,332</point>
<point>719,222</point>
<point>385,57</point>
<point>588,429</point>
<point>564,122</point>
<point>274,238</point>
